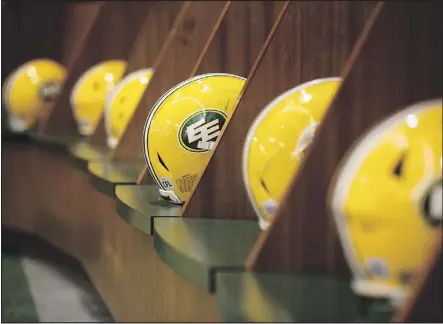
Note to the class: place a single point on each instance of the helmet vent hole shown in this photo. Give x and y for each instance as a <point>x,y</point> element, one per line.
<point>398,169</point>
<point>161,162</point>
<point>262,182</point>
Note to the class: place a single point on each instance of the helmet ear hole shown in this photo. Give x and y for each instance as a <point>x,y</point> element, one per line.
<point>162,162</point>
<point>398,169</point>
<point>263,184</point>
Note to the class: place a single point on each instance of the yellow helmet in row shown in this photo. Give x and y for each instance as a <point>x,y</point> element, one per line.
<point>90,91</point>
<point>182,128</point>
<point>122,102</point>
<point>276,142</point>
<point>30,90</point>
<point>386,200</point>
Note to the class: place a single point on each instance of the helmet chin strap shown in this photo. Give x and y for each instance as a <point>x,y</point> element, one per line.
<point>168,194</point>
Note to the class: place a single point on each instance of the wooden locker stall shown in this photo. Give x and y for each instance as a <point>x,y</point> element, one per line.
<point>208,260</point>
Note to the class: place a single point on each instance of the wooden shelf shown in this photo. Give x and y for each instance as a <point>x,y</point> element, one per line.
<point>8,136</point>
<point>84,151</point>
<point>137,204</point>
<point>105,174</point>
<point>54,143</point>
<point>197,248</point>
<point>268,297</point>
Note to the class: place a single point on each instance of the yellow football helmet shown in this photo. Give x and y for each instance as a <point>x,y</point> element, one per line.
<point>386,200</point>
<point>90,91</point>
<point>30,90</point>
<point>182,128</point>
<point>122,102</point>
<point>276,142</point>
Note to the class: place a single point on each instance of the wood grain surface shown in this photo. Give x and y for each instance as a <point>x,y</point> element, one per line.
<point>120,260</point>
<point>236,43</point>
<point>398,64</point>
<point>191,32</point>
<point>111,37</point>
<point>146,48</point>
<point>312,40</point>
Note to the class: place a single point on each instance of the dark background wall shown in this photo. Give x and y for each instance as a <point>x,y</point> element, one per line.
<point>31,29</point>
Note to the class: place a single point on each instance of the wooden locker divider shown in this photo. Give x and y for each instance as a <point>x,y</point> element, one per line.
<point>424,303</point>
<point>146,48</point>
<point>198,248</point>
<point>233,48</point>
<point>139,204</point>
<point>319,48</point>
<point>187,40</point>
<point>78,24</point>
<point>214,228</point>
<point>120,260</point>
<point>193,29</point>
<point>398,64</point>
<point>111,37</point>
<point>145,52</point>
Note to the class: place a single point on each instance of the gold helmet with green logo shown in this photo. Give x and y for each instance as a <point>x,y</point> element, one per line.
<point>182,128</point>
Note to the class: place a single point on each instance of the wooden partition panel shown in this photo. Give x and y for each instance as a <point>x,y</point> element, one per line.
<point>111,37</point>
<point>398,64</point>
<point>235,45</point>
<point>312,40</point>
<point>191,32</point>
<point>78,23</point>
<point>424,303</point>
<point>239,38</point>
<point>147,46</point>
